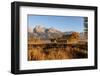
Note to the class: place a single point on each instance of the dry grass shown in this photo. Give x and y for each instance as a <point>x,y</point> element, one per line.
<point>55,53</point>
<point>45,53</point>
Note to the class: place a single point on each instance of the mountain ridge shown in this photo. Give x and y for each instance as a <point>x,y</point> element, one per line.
<point>46,33</point>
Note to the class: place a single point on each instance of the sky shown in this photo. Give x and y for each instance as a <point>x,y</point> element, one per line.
<point>62,23</point>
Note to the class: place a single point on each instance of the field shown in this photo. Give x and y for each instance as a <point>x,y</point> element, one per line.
<point>56,51</point>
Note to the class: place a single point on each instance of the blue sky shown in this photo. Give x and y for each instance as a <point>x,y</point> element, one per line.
<point>62,23</point>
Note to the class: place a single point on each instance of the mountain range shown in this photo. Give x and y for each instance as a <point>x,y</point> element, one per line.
<point>46,33</point>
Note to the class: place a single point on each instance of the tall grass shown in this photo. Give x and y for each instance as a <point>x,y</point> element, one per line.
<point>40,53</point>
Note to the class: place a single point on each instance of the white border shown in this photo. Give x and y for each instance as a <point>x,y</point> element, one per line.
<point>26,65</point>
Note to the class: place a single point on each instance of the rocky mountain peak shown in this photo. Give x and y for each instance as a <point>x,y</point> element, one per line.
<point>46,33</point>
<point>39,29</point>
<point>52,30</point>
